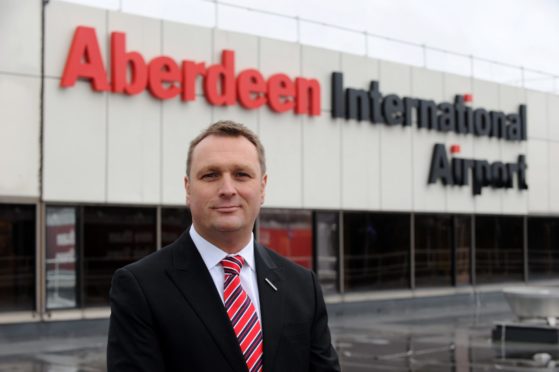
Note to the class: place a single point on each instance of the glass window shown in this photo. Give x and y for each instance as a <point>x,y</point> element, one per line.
<point>463,241</point>
<point>61,257</point>
<point>174,221</point>
<point>543,248</point>
<point>377,250</point>
<point>327,248</point>
<point>433,250</point>
<point>113,237</point>
<point>288,232</point>
<point>17,257</point>
<point>499,242</point>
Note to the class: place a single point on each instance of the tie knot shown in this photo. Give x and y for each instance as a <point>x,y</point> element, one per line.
<point>232,264</point>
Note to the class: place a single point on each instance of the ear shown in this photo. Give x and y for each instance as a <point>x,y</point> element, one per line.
<point>187,189</point>
<point>263,188</point>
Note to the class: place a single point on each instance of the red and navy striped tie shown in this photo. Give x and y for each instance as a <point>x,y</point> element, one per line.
<point>242,313</point>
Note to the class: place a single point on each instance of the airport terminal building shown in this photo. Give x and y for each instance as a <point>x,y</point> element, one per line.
<point>388,180</point>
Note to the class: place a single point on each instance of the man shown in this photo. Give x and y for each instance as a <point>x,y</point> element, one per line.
<point>214,300</point>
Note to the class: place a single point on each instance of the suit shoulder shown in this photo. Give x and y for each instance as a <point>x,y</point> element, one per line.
<point>154,261</point>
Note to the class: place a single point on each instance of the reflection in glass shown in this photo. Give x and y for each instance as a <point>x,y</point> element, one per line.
<point>499,242</point>
<point>433,250</point>
<point>113,237</point>
<point>288,232</point>
<point>61,257</point>
<point>327,250</point>
<point>463,241</point>
<point>377,250</point>
<point>543,247</point>
<point>174,221</point>
<point>17,257</point>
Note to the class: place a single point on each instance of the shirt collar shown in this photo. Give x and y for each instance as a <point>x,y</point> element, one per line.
<point>212,254</point>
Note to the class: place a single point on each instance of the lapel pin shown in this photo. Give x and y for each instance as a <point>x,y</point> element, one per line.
<point>271,284</point>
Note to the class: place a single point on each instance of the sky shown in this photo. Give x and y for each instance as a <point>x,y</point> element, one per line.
<point>518,32</point>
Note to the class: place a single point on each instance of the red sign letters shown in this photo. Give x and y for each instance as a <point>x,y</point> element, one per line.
<point>164,78</point>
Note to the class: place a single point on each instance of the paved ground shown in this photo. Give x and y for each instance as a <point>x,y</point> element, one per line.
<point>392,337</point>
<point>456,339</point>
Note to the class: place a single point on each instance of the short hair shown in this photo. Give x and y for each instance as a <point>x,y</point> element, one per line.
<point>228,128</point>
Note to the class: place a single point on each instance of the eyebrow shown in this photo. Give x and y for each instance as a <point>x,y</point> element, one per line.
<point>235,168</point>
<point>207,169</point>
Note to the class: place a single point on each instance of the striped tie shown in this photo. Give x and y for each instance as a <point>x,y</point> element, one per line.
<point>242,313</point>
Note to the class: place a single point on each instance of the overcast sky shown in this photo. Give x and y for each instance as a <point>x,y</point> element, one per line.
<point>520,32</point>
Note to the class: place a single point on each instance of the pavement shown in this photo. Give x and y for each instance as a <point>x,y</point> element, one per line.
<point>438,334</point>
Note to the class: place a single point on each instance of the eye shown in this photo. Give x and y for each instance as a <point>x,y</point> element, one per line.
<point>209,176</point>
<point>242,175</point>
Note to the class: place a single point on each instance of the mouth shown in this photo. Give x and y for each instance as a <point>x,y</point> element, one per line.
<point>226,208</point>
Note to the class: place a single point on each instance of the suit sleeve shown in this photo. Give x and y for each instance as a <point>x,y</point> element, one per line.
<point>132,343</point>
<point>323,356</point>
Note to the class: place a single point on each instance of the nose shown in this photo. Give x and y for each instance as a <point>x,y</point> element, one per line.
<point>227,187</point>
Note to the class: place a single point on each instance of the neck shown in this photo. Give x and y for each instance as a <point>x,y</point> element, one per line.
<point>230,242</point>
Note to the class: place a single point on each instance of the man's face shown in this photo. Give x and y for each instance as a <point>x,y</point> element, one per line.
<point>225,188</point>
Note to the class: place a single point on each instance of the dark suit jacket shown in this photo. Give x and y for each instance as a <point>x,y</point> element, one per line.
<point>166,315</point>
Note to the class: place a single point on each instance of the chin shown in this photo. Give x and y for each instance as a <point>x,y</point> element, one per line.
<point>229,226</point>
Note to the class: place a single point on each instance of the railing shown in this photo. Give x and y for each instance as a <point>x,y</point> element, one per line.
<point>226,15</point>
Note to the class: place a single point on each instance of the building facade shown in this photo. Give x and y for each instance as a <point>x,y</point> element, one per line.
<point>388,180</point>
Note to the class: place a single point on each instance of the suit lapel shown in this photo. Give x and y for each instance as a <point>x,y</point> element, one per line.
<point>190,275</point>
<point>271,303</point>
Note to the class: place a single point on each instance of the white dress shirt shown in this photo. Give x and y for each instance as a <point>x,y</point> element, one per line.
<point>212,256</point>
